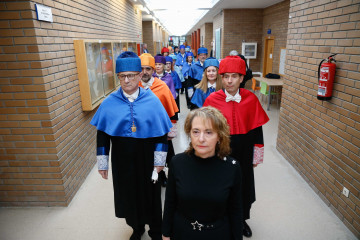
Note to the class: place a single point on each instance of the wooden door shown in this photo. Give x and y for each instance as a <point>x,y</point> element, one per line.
<point>268,55</point>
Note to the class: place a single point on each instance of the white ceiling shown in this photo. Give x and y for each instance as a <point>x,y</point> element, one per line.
<point>181,17</point>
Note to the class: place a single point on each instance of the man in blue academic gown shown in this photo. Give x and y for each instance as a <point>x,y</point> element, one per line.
<point>196,71</point>
<point>136,124</point>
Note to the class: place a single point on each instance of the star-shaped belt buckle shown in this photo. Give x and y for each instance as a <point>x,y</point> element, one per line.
<point>197,225</point>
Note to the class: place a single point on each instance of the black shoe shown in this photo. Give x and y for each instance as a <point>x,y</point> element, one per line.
<point>137,234</point>
<point>247,231</point>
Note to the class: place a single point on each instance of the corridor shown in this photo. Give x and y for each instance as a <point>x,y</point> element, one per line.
<point>286,207</point>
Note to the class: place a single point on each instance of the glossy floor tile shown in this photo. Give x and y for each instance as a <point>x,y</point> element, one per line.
<point>286,207</point>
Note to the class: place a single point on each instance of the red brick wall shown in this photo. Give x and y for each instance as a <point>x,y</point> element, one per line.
<point>321,139</point>
<point>243,25</point>
<point>276,18</point>
<point>47,144</point>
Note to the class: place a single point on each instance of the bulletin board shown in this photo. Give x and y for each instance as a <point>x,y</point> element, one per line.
<point>95,63</point>
<point>282,61</point>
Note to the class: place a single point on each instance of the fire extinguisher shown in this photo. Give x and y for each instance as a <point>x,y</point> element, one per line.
<point>326,75</point>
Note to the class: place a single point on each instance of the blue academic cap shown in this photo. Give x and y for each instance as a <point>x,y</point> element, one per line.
<point>128,62</point>
<point>211,62</point>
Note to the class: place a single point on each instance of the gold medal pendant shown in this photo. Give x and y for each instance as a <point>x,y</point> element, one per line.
<point>133,128</point>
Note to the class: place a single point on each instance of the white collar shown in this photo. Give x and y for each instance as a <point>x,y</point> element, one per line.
<point>229,97</point>
<point>212,85</point>
<point>148,84</point>
<point>202,64</point>
<point>132,97</point>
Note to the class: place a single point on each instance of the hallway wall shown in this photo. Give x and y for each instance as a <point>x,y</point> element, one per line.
<point>47,144</point>
<point>276,18</point>
<point>321,139</point>
<point>243,25</point>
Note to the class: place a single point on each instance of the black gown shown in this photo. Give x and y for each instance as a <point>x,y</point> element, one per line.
<point>204,190</point>
<point>242,146</point>
<point>136,198</point>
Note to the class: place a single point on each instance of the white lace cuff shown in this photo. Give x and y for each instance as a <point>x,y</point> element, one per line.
<point>258,154</point>
<point>103,162</point>
<point>159,158</point>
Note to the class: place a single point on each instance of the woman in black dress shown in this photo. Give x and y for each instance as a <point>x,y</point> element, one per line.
<point>203,195</point>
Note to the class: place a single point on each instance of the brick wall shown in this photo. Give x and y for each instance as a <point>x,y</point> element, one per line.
<point>202,36</point>
<point>208,36</point>
<point>321,139</point>
<point>206,33</point>
<point>243,25</point>
<point>218,22</point>
<point>47,145</point>
<point>147,33</point>
<point>188,40</point>
<point>275,18</point>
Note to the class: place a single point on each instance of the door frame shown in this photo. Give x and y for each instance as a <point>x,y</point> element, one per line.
<point>265,48</point>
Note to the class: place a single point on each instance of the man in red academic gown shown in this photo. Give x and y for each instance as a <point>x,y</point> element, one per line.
<point>245,116</point>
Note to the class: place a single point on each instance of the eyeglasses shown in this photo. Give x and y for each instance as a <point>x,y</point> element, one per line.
<point>129,76</point>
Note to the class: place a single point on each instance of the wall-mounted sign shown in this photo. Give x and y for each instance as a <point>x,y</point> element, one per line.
<point>43,13</point>
<point>249,50</point>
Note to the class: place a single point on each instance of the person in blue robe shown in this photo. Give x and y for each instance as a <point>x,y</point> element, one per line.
<point>169,68</point>
<point>189,89</point>
<point>133,124</point>
<point>210,82</point>
<point>180,59</point>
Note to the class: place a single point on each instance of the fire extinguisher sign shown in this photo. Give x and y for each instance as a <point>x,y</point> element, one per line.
<point>324,75</point>
<point>321,91</point>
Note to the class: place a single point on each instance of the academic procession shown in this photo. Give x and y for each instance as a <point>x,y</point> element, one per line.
<point>180,120</point>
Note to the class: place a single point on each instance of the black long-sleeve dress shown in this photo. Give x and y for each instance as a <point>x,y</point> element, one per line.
<point>207,191</point>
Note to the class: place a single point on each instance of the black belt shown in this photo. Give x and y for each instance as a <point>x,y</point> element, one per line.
<point>199,226</point>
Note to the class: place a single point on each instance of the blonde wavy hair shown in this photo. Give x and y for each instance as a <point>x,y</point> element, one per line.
<point>203,84</point>
<point>219,125</point>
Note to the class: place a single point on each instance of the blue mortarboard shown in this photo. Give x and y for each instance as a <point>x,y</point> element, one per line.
<point>202,50</point>
<point>128,62</point>
<point>182,46</point>
<point>189,54</point>
<point>169,59</point>
<point>211,62</point>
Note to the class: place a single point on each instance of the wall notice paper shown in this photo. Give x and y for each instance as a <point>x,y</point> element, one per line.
<point>43,13</point>
<point>282,61</point>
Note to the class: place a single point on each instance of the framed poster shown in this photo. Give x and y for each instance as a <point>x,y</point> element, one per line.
<point>96,71</point>
<point>249,50</point>
<point>282,61</point>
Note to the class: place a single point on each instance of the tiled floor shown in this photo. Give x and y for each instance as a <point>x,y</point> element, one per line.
<point>286,207</point>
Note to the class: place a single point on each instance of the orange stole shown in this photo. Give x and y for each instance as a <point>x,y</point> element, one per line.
<point>162,91</point>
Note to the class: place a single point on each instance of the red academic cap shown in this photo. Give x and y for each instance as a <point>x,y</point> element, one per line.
<point>232,64</point>
<point>164,49</point>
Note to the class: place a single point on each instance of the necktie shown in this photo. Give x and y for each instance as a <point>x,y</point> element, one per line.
<point>212,89</point>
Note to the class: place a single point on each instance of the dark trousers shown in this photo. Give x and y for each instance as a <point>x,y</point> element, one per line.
<point>156,220</point>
